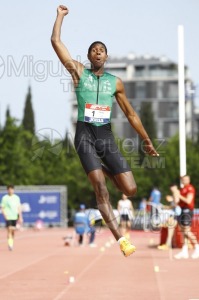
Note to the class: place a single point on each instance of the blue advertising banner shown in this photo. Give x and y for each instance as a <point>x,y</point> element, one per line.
<point>44,206</point>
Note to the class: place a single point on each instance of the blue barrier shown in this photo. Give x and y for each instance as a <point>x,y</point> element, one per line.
<point>38,205</point>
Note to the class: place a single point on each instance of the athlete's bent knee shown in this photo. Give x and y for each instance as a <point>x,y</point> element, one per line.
<point>130,190</point>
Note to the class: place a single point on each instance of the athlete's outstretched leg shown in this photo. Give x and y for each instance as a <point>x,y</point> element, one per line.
<point>97,180</point>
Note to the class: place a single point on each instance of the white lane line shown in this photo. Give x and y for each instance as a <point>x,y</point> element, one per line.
<point>86,269</point>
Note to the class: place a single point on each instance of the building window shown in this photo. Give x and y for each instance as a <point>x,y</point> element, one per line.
<point>168,110</point>
<point>119,72</point>
<point>129,89</point>
<point>140,90</point>
<point>162,71</point>
<point>170,90</point>
<point>173,90</point>
<point>151,88</point>
<point>140,71</point>
<point>170,129</point>
<point>160,90</point>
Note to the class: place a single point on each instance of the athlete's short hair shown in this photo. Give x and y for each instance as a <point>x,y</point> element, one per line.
<point>97,42</point>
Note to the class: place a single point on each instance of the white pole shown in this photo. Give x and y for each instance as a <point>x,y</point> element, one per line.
<point>181,93</point>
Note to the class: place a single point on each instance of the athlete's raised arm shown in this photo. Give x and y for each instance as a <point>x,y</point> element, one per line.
<point>133,118</point>
<point>74,67</point>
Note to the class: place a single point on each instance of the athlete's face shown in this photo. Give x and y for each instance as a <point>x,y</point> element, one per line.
<point>97,56</point>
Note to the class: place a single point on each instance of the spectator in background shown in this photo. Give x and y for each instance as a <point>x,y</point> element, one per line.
<point>12,212</point>
<point>126,211</point>
<point>143,204</point>
<point>171,221</point>
<point>185,198</point>
<point>154,201</point>
<point>95,217</point>
<point>83,227</point>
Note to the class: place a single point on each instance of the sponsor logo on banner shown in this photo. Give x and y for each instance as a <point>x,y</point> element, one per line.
<point>26,207</point>
<point>47,199</point>
<point>51,214</point>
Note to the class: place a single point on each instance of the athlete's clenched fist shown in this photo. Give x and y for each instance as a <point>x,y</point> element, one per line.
<point>62,10</point>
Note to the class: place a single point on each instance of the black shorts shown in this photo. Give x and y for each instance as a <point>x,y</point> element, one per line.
<point>185,218</point>
<point>124,217</point>
<point>95,144</point>
<point>11,223</point>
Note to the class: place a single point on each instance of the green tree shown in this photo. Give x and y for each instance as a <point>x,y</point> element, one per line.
<point>7,113</point>
<point>14,156</point>
<point>8,117</point>
<point>28,117</point>
<point>68,145</point>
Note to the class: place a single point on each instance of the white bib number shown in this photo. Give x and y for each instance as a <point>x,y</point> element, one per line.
<point>97,113</point>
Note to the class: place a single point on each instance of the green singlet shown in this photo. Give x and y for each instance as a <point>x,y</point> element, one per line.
<point>95,97</point>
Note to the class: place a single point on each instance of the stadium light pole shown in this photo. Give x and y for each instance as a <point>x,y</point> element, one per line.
<point>181,101</point>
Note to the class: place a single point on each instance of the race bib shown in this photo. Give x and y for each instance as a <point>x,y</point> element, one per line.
<point>97,113</point>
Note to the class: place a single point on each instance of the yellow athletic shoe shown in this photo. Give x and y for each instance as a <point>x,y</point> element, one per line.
<point>126,247</point>
<point>163,247</point>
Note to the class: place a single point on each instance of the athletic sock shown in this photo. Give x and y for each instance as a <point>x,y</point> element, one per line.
<point>121,239</point>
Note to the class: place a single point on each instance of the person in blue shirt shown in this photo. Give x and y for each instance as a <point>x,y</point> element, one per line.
<point>83,226</point>
<point>154,201</point>
<point>142,205</point>
<point>155,196</point>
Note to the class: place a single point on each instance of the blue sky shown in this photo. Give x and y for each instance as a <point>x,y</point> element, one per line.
<point>142,27</point>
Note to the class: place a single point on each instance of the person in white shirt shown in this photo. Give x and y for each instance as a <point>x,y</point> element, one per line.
<point>126,212</point>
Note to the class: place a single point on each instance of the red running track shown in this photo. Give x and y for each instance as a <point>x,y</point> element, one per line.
<point>40,266</point>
